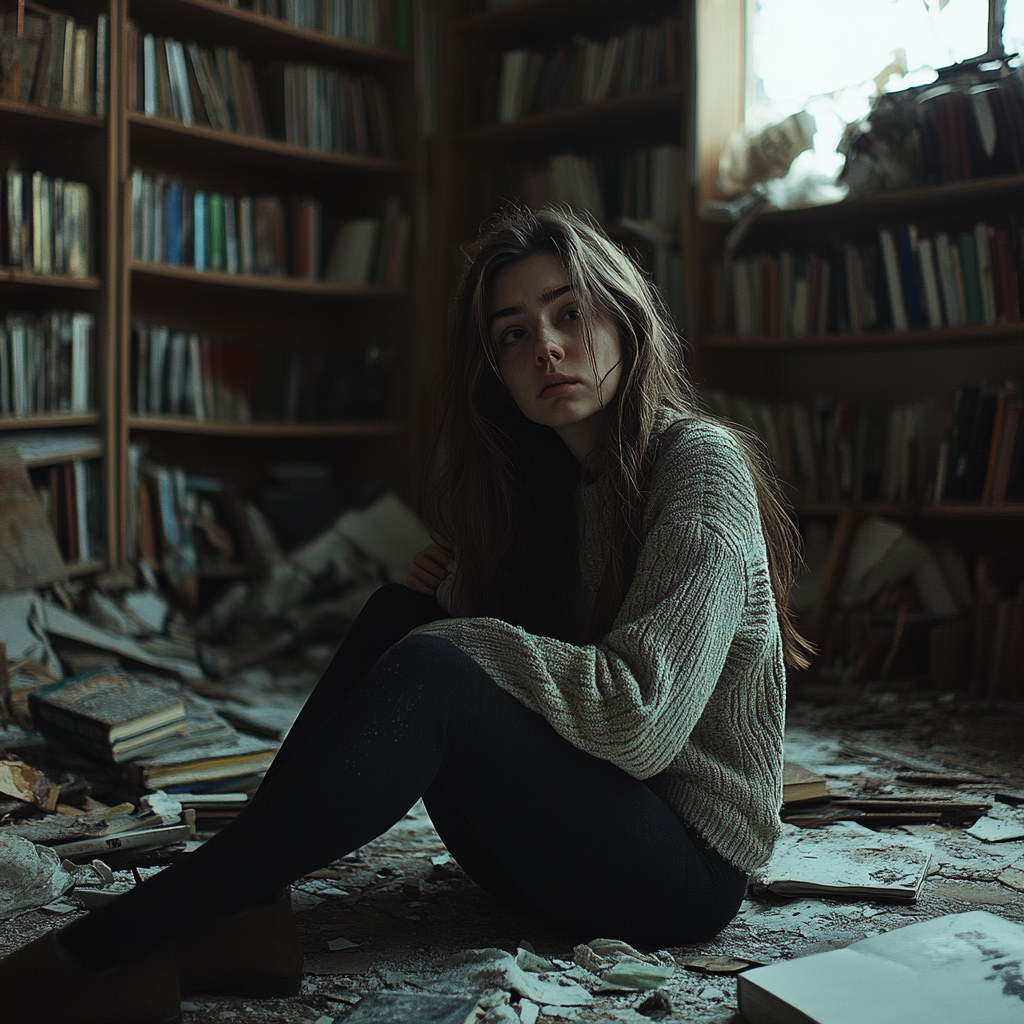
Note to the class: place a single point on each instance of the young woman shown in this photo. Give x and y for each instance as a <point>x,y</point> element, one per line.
<point>583,678</point>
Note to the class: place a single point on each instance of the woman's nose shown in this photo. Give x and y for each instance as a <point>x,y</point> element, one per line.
<point>548,347</point>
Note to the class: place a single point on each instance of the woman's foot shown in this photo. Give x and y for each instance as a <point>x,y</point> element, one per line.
<point>256,953</point>
<point>40,984</point>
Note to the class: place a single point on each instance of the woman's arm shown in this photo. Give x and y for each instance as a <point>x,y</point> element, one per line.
<point>634,697</point>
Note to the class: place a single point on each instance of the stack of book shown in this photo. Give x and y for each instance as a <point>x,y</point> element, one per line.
<point>588,71</point>
<point>382,23</point>
<point>54,61</point>
<point>108,714</point>
<point>186,83</point>
<point>45,224</point>
<point>46,363</point>
<point>900,281</point>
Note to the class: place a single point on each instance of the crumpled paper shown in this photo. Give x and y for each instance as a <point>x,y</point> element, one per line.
<point>494,968</point>
<point>30,876</point>
<point>622,967</point>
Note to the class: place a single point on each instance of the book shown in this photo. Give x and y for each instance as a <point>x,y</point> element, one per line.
<point>799,784</point>
<point>844,862</point>
<point>953,968</point>
<point>968,249</point>
<point>139,840</point>
<point>244,755</point>
<point>891,262</point>
<point>96,711</point>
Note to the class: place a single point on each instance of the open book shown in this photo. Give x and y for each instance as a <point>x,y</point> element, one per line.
<point>952,970</point>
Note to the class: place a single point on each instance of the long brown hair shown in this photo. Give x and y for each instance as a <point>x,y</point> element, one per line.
<point>500,488</point>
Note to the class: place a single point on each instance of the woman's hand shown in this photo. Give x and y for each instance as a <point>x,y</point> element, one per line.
<point>429,567</point>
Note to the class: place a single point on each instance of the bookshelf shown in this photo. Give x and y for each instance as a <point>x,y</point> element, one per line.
<point>568,101</point>
<point>58,148</point>
<point>271,333</point>
<point>761,368</point>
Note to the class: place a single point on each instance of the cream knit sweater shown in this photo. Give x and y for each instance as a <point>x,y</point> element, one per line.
<point>687,691</point>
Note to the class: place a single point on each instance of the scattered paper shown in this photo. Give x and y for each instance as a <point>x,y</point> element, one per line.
<point>30,876</point>
<point>341,943</point>
<point>995,830</point>
<point>494,968</point>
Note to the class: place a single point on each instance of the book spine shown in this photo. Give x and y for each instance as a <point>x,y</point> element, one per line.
<point>968,249</point>
<point>894,287</point>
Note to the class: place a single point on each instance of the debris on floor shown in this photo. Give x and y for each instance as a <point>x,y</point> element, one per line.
<point>911,806</point>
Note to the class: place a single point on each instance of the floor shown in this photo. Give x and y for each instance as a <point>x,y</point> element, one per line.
<point>405,908</point>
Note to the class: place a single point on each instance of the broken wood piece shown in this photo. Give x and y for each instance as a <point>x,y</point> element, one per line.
<point>25,783</point>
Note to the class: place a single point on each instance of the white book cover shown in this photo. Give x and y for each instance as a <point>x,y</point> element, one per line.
<point>932,302</point>
<point>957,969</point>
<point>890,260</point>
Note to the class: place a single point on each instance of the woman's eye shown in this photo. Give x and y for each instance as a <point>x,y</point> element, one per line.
<point>572,314</point>
<point>512,336</point>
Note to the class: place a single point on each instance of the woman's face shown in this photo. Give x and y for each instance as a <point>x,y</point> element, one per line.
<point>542,354</point>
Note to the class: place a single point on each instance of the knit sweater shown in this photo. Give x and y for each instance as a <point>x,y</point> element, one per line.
<point>687,691</point>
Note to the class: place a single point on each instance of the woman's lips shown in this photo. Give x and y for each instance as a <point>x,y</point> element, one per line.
<point>556,388</point>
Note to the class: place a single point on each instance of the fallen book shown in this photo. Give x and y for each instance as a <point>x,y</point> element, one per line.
<point>106,713</point>
<point>844,861</point>
<point>950,970</point>
<point>243,755</point>
<point>800,784</point>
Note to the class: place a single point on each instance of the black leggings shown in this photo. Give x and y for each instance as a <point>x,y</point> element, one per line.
<point>532,819</point>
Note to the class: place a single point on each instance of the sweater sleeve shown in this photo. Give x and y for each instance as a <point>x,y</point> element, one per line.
<point>634,697</point>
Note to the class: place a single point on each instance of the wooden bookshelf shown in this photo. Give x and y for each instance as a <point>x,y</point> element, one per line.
<point>266,313</point>
<point>881,368</point>
<point>76,146</point>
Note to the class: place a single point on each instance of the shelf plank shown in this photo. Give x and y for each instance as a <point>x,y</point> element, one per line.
<point>895,203</point>
<point>264,33</point>
<point>15,276</point>
<point>56,419</point>
<point>163,132</point>
<point>35,112</point>
<point>951,511</point>
<point>977,333</point>
<point>182,425</point>
<point>262,283</point>
<point>636,112</point>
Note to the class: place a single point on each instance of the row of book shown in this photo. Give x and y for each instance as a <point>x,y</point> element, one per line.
<point>46,363</point>
<point>71,494</point>
<point>638,184</point>
<point>179,227</point>
<point>901,281</point>
<point>54,61</point>
<point>380,23</point>
<point>45,224</point>
<point>967,450</point>
<point>331,111</point>
<point>588,70</point>
<point>319,108</point>
<point>175,373</point>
